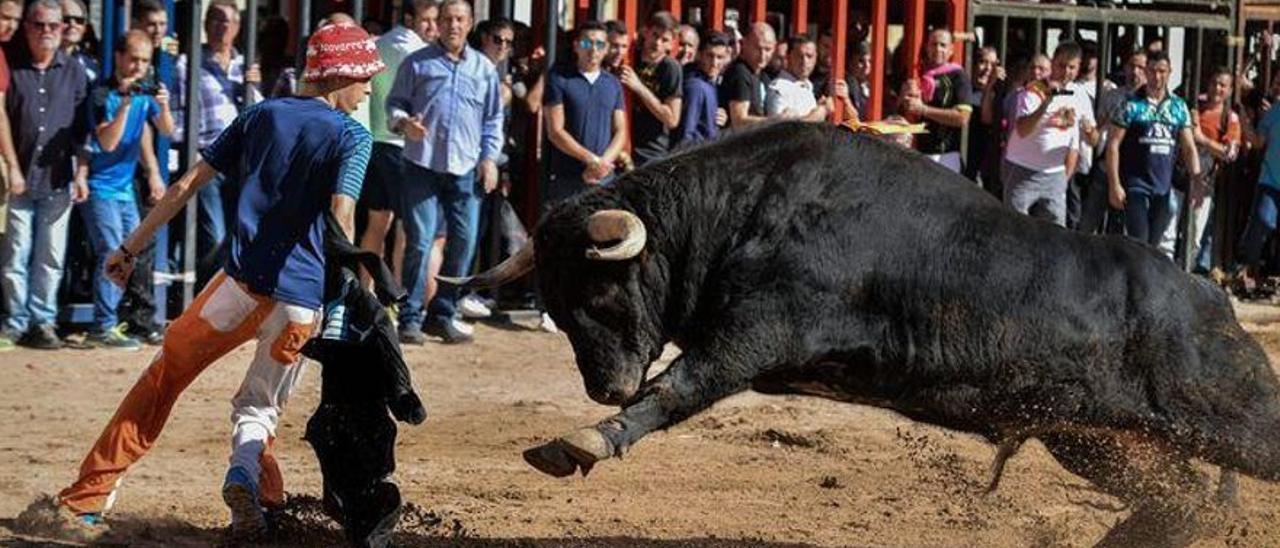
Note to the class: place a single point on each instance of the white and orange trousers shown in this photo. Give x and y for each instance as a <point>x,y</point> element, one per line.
<point>224,316</point>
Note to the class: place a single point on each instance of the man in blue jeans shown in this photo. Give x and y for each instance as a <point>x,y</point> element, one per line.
<point>121,111</point>
<point>1141,151</point>
<point>1266,201</point>
<point>446,102</point>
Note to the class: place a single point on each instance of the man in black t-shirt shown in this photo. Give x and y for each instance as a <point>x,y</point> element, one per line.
<point>656,85</point>
<point>946,107</point>
<point>743,89</point>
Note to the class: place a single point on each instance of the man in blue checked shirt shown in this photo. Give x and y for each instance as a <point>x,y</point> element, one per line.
<point>446,102</point>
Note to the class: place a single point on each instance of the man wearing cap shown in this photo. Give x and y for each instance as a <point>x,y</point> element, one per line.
<point>294,159</point>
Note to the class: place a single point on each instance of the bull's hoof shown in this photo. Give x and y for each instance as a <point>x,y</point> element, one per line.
<point>580,449</point>
<point>551,459</point>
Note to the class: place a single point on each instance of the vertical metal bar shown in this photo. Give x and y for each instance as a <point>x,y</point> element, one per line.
<point>839,39</point>
<point>251,46</point>
<point>879,28</point>
<point>1104,66</point>
<point>1071,29</point>
<point>109,36</point>
<point>1039,40</point>
<point>1004,39</point>
<point>962,21</point>
<point>304,31</point>
<point>357,9</point>
<point>676,7</point>
<point>759,10</point>
<point>914,35</point>
<point>192,151</point>
<point>799,16</point>
<point>716,18</point>
<point>1185,216</point>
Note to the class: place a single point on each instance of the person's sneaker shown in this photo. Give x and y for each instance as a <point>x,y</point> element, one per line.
<point>41,337</point>
<point>240,493</point>
<point>547,324</point>
<point>411,335</point>
<point>148,334</point>
<point>473,308</point>
<point>8,340</point>
<point>46,518</point>
<point>113,338</point>
<point>452,331</point>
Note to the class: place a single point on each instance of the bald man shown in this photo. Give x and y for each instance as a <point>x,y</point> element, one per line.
<point>945,105</point>
<point>743,89</point>
<point>687,50</point>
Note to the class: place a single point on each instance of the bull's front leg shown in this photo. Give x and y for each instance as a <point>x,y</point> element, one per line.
<point>692,383</point>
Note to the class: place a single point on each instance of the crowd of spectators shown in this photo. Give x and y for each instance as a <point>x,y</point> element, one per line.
<point>454,117</point>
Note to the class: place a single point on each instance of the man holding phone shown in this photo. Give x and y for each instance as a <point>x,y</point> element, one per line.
<point>1044,144</point>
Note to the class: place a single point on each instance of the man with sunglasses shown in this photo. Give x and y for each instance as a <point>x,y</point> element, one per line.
<point>586,122</point>
<point>74,27</point>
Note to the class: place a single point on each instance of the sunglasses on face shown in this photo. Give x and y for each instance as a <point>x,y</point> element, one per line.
<point>73,19</point>
<point>45,26</point>
<point>501,41</point>
<point>592,44</point>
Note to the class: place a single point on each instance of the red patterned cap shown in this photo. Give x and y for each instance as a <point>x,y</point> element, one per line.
<point>341,50</point>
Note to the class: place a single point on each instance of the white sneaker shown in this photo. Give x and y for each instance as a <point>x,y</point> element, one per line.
<point>472,308</point>
<point>463,326</point>
<point>548,325</point>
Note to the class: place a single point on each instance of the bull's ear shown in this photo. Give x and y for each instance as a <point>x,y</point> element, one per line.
<point>514,267</point>
<point>618,225</point>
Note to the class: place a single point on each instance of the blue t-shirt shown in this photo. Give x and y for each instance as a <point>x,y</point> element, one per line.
<point>111,173</point>
<point>1269,127</point>
<point>1150,146</point>
<point>588,113</point>
<point>288,156</point>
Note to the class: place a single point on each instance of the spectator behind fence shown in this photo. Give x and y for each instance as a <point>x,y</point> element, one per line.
<point>1218,148</point>
<point>47,106</point>
<point>1096,215</point>
<point>586,118</point>
<point>446,102</point>
<point>10,19</point>
<point>10,172</point>
<point>1085,86</point>
<point>744,86</point>
<point>76,39</point>
<point>122,107</point>
<point>791,94</point>
<point>702,116</point>
<point>386,171</point>
<point>619,47</point>
<point>687,49</point>
<point>983,161</point>
<point>656,85</point>
<point>860,78</point>
<point>1048,127</point>
<point>1266,197</point>
<point>137,310</point>
<point>1142,149</point>
<point>224,78</point>
<point>946,106</point>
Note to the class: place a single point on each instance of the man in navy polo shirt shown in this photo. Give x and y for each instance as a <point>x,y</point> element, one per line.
<point>586,122</point>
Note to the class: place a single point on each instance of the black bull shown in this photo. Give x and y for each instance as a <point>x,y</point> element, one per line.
<point>802,259</point>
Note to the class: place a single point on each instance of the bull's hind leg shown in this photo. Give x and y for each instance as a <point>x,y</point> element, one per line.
<point>1162,489</point>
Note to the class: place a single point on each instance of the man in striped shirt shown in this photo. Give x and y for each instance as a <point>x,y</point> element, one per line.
<point>296,160</point>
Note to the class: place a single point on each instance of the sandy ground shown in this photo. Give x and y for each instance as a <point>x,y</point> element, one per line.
<point>752,471</point>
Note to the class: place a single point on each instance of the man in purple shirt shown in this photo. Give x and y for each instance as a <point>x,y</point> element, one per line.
<point>702,116</point>
<point>47,105</point>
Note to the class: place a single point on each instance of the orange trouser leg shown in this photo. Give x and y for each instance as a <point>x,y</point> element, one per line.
<point>221,318</point>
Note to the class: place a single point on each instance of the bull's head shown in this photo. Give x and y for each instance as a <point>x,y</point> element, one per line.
<point>590,274</point>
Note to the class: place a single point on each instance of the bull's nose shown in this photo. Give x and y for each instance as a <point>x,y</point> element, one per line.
<point>607,396</point>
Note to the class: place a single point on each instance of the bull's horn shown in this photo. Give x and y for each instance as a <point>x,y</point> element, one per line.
<point>515,266</point>
<point>616,224</point>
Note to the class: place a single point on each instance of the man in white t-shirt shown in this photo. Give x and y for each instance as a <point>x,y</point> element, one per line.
<point>1044,144</point>
<point>791,94</point>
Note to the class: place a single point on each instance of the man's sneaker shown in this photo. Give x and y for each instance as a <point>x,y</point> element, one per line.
<point>46,518</point>
<point>8,340</point>
<point>240,493</point>
<point>413,336</point>
<point>148,334</point>
<point>41,337</point>
<point>473,308</point>
<point>452,331</point>
<point>113,338</point>
<point>547,324</point>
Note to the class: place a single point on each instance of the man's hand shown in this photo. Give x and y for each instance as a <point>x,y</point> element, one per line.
<point>630,79</point>
<point>413,129</point>
<point>156,187</point>
<point>1116,196</point>
<point>488,172</point>
<point>119,266</point>
<point>17,183</point>
<point>722,117</point>
<point>79,191</point>
<point>162,97</point>
<point>997,75</point>
<point>253,75</point>
<point>913,106</point>
<point>840,90</point>
<point>597,170</point>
